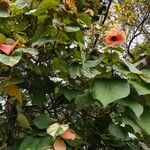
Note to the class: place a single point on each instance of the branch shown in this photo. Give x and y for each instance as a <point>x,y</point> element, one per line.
<point>142,22</point>
<point>107,11</point>
<point>105,17</point>
<point>136,34</point>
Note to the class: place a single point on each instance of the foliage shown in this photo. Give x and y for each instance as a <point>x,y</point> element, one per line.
<point>62,75</point>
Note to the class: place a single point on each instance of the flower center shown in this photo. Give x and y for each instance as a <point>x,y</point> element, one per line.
<point>114,38</point>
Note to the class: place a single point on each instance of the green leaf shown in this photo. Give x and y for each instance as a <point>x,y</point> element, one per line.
<point>44,143</point>
<point>75,143</point>
<point>131,67</point>
<point>147,99</point>
<point>57,129</point>
<point>145,75</point>
<point>146,71</point>
<point>10,60</point>
<point>79,37</point>
<point>107,91</point>
<point>30,143</point>
<point>144,146</point>
<point>45,5</point>
<point>89,73</point>
<point>30,12</point>
<point>33,67</point>
<point>38,95</point>
<point>63,38</point>
<point>31,51</point>
<point>15,145</point>
<point>128,121</point>
<point>121,70</point>
<point>42,42</point>
<point>5,27</point>
<point>69,93</point>
<point>145,78</point>
<point>43,121</point>
<point>4,14</point>
<point>74,70</point>
<point>141,88</point>
<point>22,25</point>
<point>16,56</point>
<point>92,63</point>
<point>83,101</point>
<point>33,143</point>
<point>119,49</point>
<point>21,3</point>
<point>116,131</point>
<point>84,19</point>
<point>71,29</point>
<point>135,106</point>
<point>145,121</point>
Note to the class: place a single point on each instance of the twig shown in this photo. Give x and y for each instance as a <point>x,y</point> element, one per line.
<point>136,34</point>
<point>105,17</point>
<point>107,11</point>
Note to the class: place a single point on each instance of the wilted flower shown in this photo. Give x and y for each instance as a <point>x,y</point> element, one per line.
<point>68,135</point>
<point>114,37</point>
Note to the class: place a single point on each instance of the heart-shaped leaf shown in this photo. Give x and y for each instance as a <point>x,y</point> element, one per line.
<point>107,91</point>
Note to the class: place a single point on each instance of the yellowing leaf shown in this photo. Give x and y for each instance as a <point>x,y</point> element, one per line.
<point>22,39</point>
<point>59,144</point>
<point>23,121</point>
<point>2,38</point>
<point>13,90</point>
<point>70,5</point>
<point>57,129</point>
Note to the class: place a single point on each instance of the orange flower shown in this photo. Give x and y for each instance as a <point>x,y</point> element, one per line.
<point>68,135</point>
<point>114,37</point>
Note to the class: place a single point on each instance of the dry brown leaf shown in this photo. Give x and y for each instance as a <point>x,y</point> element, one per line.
<point>4,4</point>
<point>59,144</point>
<point>13,90</point>
<point>70,5</point>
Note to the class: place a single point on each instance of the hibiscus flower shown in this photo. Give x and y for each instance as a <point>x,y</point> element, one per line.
<point>114,37</point>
